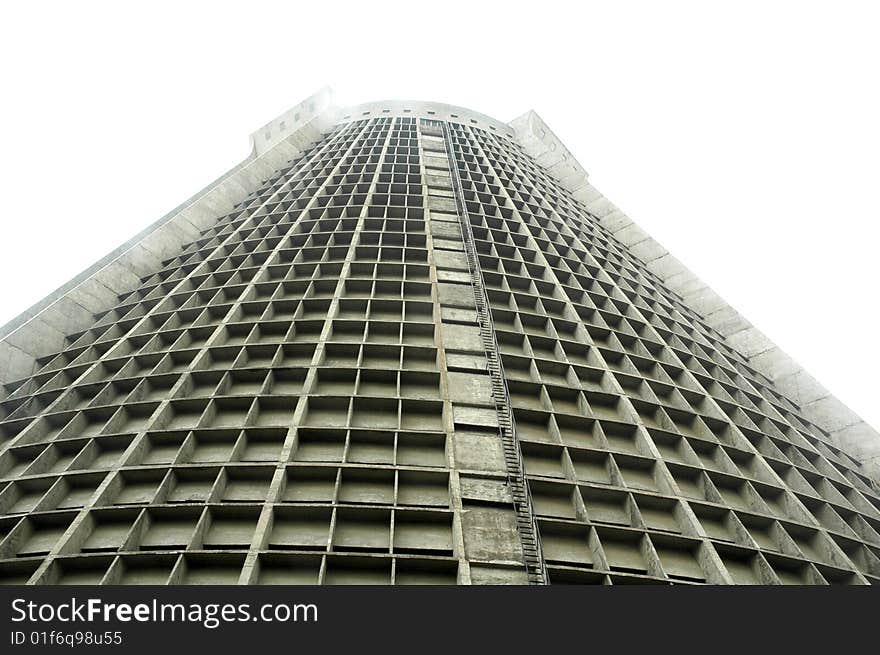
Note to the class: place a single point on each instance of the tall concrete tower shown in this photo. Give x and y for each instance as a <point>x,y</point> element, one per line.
<point>406,343</point>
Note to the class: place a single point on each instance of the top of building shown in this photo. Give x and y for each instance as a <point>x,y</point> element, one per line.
<point>42,329</point>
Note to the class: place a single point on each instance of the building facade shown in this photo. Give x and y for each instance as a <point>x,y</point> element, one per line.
<point>406,343</point>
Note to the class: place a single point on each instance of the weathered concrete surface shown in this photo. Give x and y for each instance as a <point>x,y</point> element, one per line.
<point>41,330</point>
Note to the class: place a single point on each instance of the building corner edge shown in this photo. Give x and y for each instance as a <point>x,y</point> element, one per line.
<point>845,428</point>
<point>42,329</point>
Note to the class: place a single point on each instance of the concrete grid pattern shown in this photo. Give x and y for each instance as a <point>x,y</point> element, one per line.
<point>305,395</point>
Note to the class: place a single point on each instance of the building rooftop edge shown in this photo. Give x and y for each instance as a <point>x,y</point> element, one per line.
<point>43,328</point>
<point>847,430</point>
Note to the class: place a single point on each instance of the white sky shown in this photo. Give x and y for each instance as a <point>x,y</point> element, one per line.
<point>743,137</point>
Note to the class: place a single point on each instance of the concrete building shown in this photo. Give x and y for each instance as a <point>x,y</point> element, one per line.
<point>406,343</point>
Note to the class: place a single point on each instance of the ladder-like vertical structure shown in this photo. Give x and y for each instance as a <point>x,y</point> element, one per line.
<point>526,524</point>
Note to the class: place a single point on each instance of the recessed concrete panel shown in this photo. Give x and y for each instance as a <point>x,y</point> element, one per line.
<point>450,260</point>
<point>480,451</point>
<point>497,575</point>
<point>456,295</point>
<point>474,417</point>
<point>458,315</point>
<point>445,230</point>
<point>461,338</point>
<point>470,362</point>
<point>469,388</point>
<point>490,534</point>
<point>481,489</point>
<point>458,277</point>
